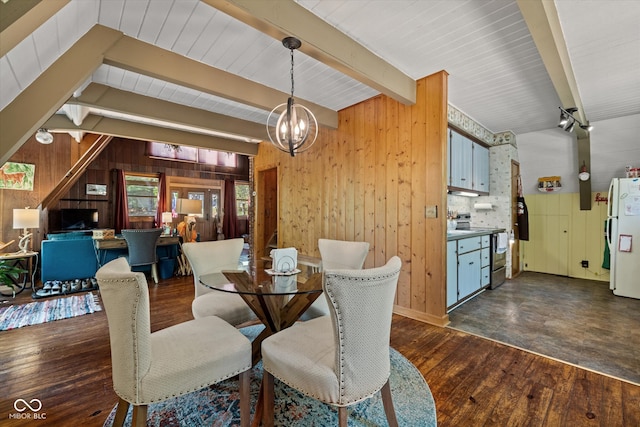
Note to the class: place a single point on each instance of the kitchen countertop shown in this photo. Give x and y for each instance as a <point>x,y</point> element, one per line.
<point>472,232</point>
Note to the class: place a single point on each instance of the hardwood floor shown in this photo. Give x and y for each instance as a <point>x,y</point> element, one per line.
<point>66,364</point>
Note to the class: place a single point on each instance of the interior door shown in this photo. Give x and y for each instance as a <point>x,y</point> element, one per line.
<point>208,220</point>
<point>268,207</point>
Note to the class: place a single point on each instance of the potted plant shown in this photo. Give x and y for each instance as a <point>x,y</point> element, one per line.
<point>9,273</point>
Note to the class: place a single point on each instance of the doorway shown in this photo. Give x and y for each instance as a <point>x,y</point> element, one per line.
<point>267,216</point>
<point>208,223</point>
<point>515,247</point>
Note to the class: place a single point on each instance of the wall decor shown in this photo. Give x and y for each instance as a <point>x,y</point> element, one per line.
<point>17,176</point>
<point>97,189</point>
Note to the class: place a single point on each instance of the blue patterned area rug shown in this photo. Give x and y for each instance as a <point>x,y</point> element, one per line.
<point>218,405</point>
<point>33,313</point>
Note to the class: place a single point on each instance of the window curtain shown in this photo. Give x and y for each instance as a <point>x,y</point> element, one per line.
<point>229,221</point>
<point>122,206</point>
<point>162,199</point>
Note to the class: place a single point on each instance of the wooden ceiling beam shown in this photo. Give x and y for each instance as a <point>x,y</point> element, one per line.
<point>101,97</point>
<point>133,130</point>
<point>25,114</point>
<point>20,18</point>
<point>323,42</point>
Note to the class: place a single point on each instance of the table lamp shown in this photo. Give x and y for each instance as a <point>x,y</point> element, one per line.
<point>167,222</point>
<point>25,218</point>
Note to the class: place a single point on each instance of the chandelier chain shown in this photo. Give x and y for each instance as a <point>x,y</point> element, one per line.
<point>291,72</point>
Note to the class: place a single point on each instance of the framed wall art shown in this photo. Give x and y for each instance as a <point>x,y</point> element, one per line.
<point>17,176</point>
<point>97,189</point>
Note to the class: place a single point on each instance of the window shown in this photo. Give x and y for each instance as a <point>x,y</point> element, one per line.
<point>242,199</point>
<point>142,194</point>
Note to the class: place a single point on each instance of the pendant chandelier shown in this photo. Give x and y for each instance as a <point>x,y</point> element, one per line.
<point>296,128</point>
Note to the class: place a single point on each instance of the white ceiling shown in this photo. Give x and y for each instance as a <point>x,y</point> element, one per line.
<point>496,73</point>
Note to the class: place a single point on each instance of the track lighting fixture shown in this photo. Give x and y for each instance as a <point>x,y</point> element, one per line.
<point>568,121</point>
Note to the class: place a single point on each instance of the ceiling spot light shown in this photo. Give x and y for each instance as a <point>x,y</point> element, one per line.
<point>568,121</point>
<point>43,136</point>
<point>296,128</point>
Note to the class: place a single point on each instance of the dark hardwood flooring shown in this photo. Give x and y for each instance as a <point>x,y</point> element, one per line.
<point>475,382</point>
<point>574,320</point>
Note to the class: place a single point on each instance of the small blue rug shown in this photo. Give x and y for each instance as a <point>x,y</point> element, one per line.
<point>218,405</point>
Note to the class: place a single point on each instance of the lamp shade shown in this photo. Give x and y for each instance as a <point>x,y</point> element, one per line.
<point>189,206</point>
<point>26,218</point>
<point>167,217</point>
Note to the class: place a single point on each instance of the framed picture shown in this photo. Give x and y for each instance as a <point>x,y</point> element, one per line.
<point>97,189</point>
<point>17,176</point>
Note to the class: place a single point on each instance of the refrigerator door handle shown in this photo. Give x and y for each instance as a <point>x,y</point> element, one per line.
<point>609,201</point>
<point>608,232</point>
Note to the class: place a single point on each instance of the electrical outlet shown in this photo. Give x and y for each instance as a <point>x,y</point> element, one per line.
<point>585,263</point>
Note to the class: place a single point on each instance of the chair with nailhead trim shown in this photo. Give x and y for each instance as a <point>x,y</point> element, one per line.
<point>341,359</point>
<point>151,367</point>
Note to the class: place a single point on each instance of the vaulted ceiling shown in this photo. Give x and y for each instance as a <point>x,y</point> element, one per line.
<point>207,72</point>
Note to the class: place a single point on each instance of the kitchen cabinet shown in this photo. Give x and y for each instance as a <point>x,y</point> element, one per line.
<point>452,272</point>
<point>468,163</point>
<point>480,169</point>
<point>461,160</point>
<point>468,267</point>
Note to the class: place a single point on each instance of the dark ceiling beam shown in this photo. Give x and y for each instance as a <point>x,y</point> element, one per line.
<point>20,18</point>
<point>144,58</point>
<point>323,42</point>
<point>25,114</point>
<point>119,101</point>
<point>133,130</point>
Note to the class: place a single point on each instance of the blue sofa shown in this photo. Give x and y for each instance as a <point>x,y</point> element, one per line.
<point>69,256</point>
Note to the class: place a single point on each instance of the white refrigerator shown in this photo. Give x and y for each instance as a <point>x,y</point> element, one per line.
<point>623,236</point>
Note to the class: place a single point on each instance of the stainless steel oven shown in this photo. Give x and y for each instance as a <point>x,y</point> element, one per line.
<point>498,263</point>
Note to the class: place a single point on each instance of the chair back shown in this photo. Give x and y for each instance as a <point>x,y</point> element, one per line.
<point>361,307</point>
<point>142,245</point>
<point>125,297</point>
<point>342,254</point>
<point>212,257</point>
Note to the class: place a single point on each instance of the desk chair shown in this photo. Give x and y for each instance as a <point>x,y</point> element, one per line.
<point>337,255</point>
<point>213,257</point>
<point>142,248</point>
<point>343,358</point>
<point>152,367</point>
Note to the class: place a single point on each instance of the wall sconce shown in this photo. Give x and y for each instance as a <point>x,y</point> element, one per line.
<point>584,175</point>
<point>25,218</point>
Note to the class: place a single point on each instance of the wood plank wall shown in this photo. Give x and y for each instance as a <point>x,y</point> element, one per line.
<point>53,161</point>
<point>371,179</point>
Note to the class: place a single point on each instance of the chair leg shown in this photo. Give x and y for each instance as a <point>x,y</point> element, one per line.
<point>268,390</point>
<point>387,402</point>
<point>154,272</point>
<point>245,389</point>
<point>139,416</point>
<point>342,416</point>
<point>121,413</point>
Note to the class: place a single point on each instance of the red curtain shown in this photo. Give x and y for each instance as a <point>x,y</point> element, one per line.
<point>122,206</point>
<point>162,199</point>
<point>230,217</point>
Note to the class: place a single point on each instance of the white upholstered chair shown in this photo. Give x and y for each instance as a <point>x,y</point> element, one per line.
<point>343,358</point>
<point>214,257</point>
<point>152,367</point>
<point>336,255</point>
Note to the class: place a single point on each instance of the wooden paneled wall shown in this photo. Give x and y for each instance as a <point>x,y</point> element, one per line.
<point>53,161</point>
<point>372,179</point>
